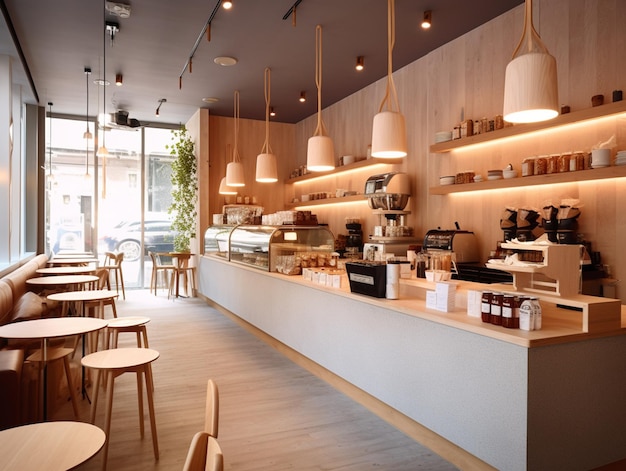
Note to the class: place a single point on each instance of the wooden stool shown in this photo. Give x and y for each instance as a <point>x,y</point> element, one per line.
<point>135,324</point>
<point>113,363</point>
<point>58,353</point>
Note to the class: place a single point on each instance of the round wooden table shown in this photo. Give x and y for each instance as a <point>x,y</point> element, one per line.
<point>65,270</point>
<point>100,295</point>
<point>61,280</point>
<point>72,261</point>
<point>49,445</point>
<point>113,363</point>
<point>46,329</point>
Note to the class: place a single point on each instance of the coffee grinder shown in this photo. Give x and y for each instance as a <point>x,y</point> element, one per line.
<point>354,240</point>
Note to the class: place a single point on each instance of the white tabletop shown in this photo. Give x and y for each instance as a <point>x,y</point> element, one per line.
<point>119,358</point>
<point>61,280</point>
<point>72,261</point>
<point>66,270</point>
<point>129,321</point>
<point>87,295</point>
<point>51,328</point>
<point>49,445</point>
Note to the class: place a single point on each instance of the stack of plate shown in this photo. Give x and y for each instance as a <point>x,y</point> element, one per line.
<point>494,174</point>
<point>443,136</point>
<point>620,158</point>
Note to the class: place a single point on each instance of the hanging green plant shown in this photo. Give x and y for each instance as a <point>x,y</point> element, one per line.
<point>184,189</point>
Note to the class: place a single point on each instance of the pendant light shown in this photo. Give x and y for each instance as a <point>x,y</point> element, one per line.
<point>102,150</point>
<point>320,156</point>
<point>50,176</point>
<point>234,170</point>
<point>389,129</point>
<point>224,188</point>
<point>530,84</point>
<point>87,135</point>
<point>266,171</point>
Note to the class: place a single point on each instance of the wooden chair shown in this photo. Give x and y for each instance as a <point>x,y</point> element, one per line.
<point>212,409</point>
<point>159,266</point>
<point>182,269</point>
<point>204,454</point>
<point>103,282</point>
<point>113,263</point>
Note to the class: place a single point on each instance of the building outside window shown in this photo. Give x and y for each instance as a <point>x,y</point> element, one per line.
<point>99,208</point>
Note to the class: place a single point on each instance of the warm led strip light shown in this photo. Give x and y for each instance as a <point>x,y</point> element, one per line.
<point>334,205</point>
<point>338,172</point>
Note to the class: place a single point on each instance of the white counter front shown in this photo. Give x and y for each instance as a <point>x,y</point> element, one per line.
<point>555,406</point>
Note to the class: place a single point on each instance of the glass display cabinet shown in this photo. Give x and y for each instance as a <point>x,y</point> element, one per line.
<point>216,239</point>
<point>278,248</point>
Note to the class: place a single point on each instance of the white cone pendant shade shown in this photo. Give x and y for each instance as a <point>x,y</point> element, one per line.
<point>234,174</point>
<point>530,89</point>
<point>225,189</point>
<point>389,135</point>
<point>102,152</point>
<point>389,127</point>
<point>266,168</point>
<point>266,171</point>
<point>320,154</point>
<point>530,82</point>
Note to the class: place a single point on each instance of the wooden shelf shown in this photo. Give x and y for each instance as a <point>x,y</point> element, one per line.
<point>345,199</point>
<point>519,129</point>
<point>344,168</point>
<point>547,179</point>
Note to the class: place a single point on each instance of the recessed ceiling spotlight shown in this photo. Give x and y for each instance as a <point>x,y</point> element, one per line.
<point>228,4</point>
<point>101,81</point>
<point>210,99</point>
<point>428,19</point>
<point>360,64</point>
<point>119,80</point>
<point>225,61</point>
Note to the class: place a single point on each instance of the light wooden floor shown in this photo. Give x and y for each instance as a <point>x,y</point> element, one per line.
<point>274,415</point>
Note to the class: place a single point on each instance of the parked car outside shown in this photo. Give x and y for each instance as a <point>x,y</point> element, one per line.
<point>126,237</point>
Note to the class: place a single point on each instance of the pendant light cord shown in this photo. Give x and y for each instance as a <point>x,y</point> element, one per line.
<point>529,33</point>
<point>236,116</point>
<point>320,130</point>
<point>390,93</point>
<point>267,87</point>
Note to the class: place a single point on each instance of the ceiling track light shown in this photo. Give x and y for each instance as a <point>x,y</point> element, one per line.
<point>119,80</point>
<point>272,112</point>
<point>360,64</point>
<point>302,97</point>
<point>291,11</point>
<point>161,101</point>
<point>427,20</point>
<point>205,30</point>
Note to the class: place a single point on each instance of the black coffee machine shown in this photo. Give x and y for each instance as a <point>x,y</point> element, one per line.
<point>354,240</point>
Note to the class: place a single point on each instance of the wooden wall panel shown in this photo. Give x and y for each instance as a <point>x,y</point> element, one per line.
<point>466,78</point>
<point>251,139</point>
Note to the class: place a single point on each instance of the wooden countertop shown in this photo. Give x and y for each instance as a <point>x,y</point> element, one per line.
<point>558,326</point>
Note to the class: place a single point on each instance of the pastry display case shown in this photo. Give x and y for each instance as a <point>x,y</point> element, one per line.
<point>271,247</point>
<point>217,238</point>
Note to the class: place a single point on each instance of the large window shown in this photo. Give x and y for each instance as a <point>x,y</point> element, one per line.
<point>96,203</point>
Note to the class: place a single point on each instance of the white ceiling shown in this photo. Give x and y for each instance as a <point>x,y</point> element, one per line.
<point>60,38</point>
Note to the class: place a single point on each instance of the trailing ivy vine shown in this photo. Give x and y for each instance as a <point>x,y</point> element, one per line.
<point>184,189</point>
